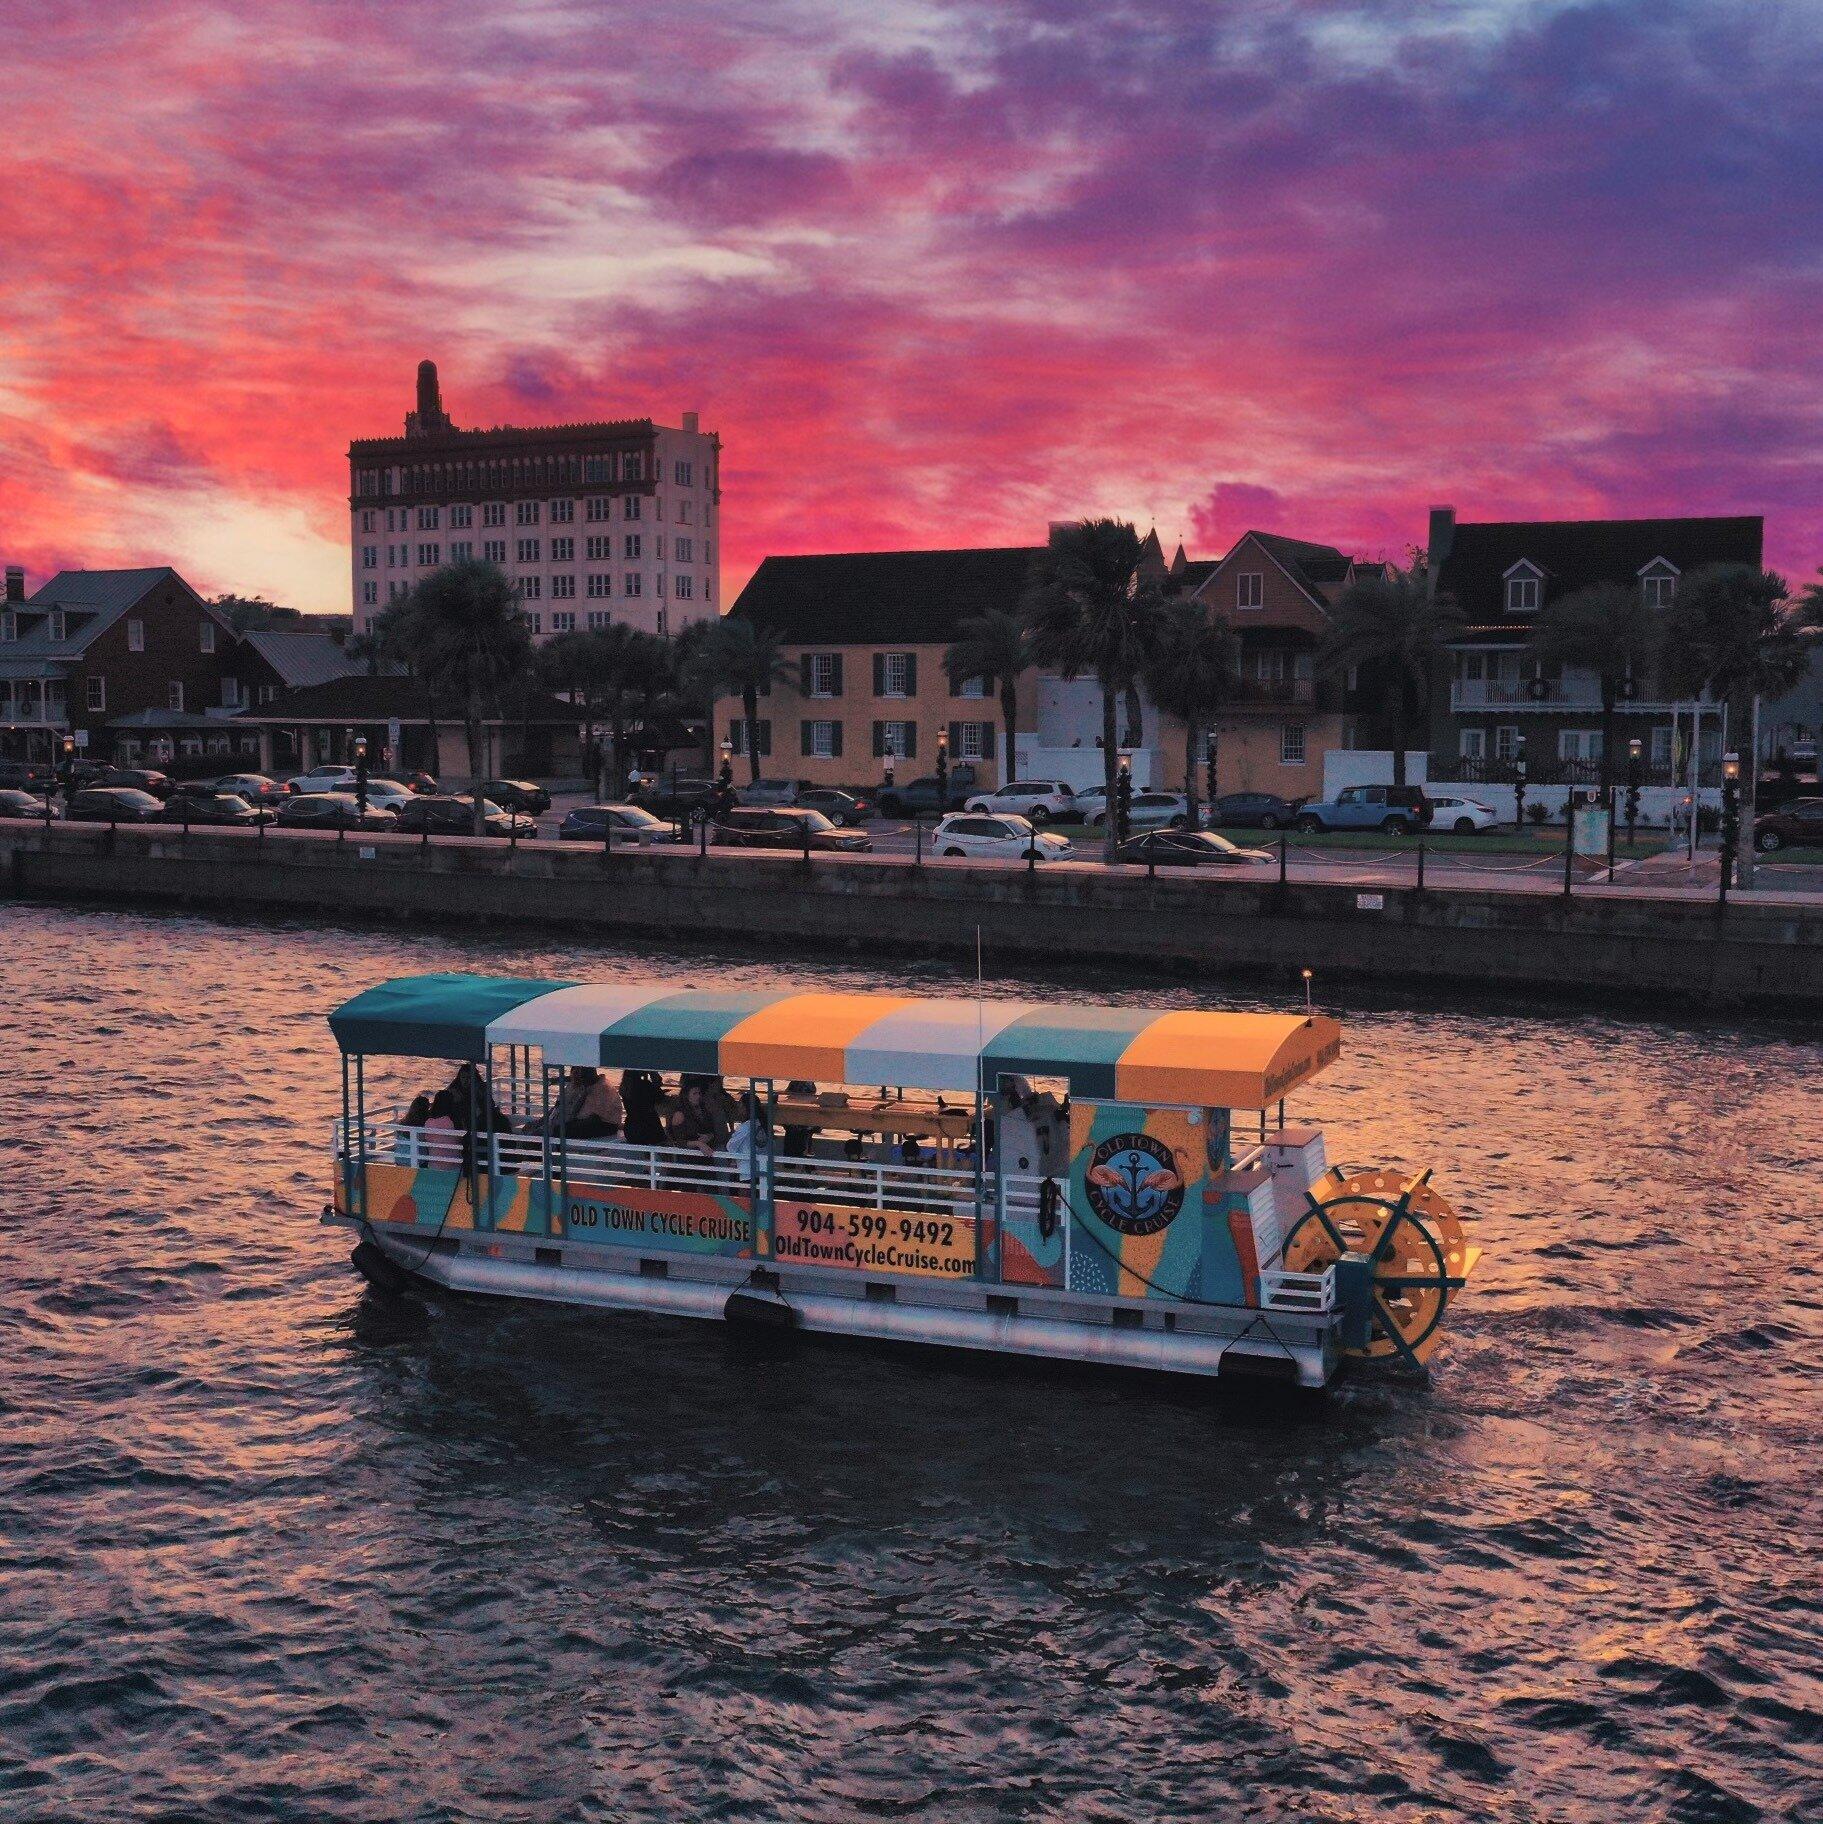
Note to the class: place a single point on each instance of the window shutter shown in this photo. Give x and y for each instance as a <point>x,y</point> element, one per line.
<point>911,741</point>
<point>955,742</point>
<point>879,674</point>
<point>765,737</point>
<point>804,675</point>
<point>804,729</point>
<point>879,740</point>
<point>911,674</point>
<point>835,740</point>
<point>987,740</point>
<point>835,681</point>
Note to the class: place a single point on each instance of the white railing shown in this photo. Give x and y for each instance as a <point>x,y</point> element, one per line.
<point>1305,1294</point>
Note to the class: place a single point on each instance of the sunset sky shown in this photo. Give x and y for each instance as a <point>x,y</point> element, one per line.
<point>937,272</point>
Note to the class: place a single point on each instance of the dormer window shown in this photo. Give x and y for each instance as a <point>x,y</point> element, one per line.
<point>1658,582</point>
<point>1524,583</point>
<point>9,625</point>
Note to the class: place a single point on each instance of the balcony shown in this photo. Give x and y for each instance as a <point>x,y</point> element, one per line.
<point>1570,695</point>
<point>1275,693</point>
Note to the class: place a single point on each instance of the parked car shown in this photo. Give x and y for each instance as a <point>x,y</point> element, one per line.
<point>999,837</point>
<point>631,825</point>
<point>1170,809</point>
<point>420,782</point>
<point>332,811</point>
<point>679,799</point>
<point>767,792</point>
<point>1799,823</point>
<point>1462,815</point>
<point>453,814</point>
<point>136,779</point>
<point>848,808</point>
<point>516,795</point>
<point>26,775</point>
<point>15,803</point>
<point>256,788</point>
<point>197,801</point>
<point>1188,849</point>
<point>321,779</point>
<point>1254,811</point>
<point>114,804</point>
<point>752,827</point>
<point>1039,799</point>
<point>918,797</point>
<point>388,794</point>
<point>1395,809</point>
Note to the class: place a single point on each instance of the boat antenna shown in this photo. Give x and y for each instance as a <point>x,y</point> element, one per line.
<point>1307,974</point>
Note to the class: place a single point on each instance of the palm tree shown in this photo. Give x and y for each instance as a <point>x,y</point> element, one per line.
<point>614,675</point>
<point>1730,630</point>
<point>737,657</point>
<point>996,647</point>
<point>391,639</point>
<point>464,622</point>
<point>1393,624</point>
<point>1609,630</point>
<point>1089,610</point>
<point>1193,676</point>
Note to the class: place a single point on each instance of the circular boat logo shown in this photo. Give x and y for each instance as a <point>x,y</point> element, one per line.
<point>1134,1185</point>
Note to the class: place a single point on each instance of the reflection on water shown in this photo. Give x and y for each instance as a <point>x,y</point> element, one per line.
<point>276,1550</point>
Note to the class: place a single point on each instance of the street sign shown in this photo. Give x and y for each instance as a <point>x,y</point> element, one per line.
<point>81,737</point>
<point>1589,830</point>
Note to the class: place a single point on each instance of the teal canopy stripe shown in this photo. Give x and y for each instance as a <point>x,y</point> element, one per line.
<point>1082,1044</point>
<point>682,1031</point>
<point>431,1016</point>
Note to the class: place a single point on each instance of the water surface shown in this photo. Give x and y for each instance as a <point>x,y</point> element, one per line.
<point>272,1549</point>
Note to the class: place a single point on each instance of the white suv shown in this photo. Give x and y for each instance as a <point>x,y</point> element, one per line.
<point>1038,799</point>
<point>322,779</point>
<point>1000,838</point>
<point>1147,810</point>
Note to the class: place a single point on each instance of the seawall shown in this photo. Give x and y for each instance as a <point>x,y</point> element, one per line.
<point>1676,953</point>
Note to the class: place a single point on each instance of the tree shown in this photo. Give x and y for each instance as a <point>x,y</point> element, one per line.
<point>741,658</point>
<point>1193,675</point>
<point>615,675</point>
<point>254,614</point>
<point>996,647</point>
<point>1730,630</point>
<point>1396,626</point>
<point>464,623</point>
<point>1607,629</point>
<point>1090,611</point>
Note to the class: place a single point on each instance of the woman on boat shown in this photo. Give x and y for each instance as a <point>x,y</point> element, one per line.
<point>591,1108</point>
<point>640,1092</point>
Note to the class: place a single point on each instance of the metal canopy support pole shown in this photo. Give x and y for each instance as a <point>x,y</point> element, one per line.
<point>343,1162</point>
<point>360,1115</point>
<point>759,1166</point>
<point>544,1129</point>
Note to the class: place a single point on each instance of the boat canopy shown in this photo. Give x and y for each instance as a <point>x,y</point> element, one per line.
<point>1107,1054</point>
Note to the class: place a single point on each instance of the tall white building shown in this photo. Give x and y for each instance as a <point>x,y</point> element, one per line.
<point>596,523</point>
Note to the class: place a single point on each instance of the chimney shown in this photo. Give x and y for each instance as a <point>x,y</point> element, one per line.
<point>15,582</point>
<point>690,423</point>
<point>1443,537</point>
<point>430,416</point>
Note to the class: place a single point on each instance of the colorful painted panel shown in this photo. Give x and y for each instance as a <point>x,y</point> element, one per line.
<point>1136,1201</point>
<point>672,1222</point>
<point>900,1242</point>
<point>406,1197</point>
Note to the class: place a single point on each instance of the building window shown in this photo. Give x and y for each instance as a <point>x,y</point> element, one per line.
<point>823,674</point>
<point>661,618</point>
<point>630,546</point>
<point>684,550</point>
<point>598,550</point>
<point>1579,744</point>
<point>461,516</point>
<point>231,693</point>
<point>370,557</point>
<point>896,674</point>
<point>395,591</point>
<point>563,588</point>
<point>205,635</point>
<point>681,474</point>
<point>684,513</point>
<point>461,550</point>
<point>822,740</point>
<point>1522,595</point>
<point>9,625</point>
<point>685,589</point>
<point>58,626</point>
<point>527,513</point>
<point>430,555</point>
<point>658,583</point>
<point>1659,588</point>
<point>493,550</point>
<point>367,519</point>
<point>535,622</point>
<point>528,550</point>
<point>595,468</point>
<point>1472,744</point>
<point>975,740</point>
<point>1291,744</point>
<point>563,550</point>
<point>598,584</point>
<point>633,500</point>
<point>563,620</point>
<point>531,587</point>
<point>1250,589</point>
<point>595,507</point>
<point>562,512</point>
<point>762,729</point>
<point>98,692</point>
<point>427,519</point>
<point>598,617</point>
<point>972,687</point>
<point>895,740</point>
<point>136,636</point>
<point>1506,741</point>
<point>1661,745</point>
<point>632,587</point>
<point>370,595</point>
<point>493,513</point>
<point>176,695</point>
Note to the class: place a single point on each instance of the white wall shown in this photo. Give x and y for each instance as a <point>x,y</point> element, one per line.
<point>1077,767</point>
<point>1344,766</point>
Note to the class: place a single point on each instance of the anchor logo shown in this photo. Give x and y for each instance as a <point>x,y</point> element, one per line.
<point>1133,1184</point>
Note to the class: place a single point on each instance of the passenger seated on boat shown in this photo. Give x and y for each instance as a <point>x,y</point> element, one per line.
<point>472,1099</point>
<point>695,1123</point>
<point>591,1108</point>
<point>640,1094</point>
<point>443,1144</point>
<point>798,1140</point>
<point>407,1144</point>
<point>853,1149</point>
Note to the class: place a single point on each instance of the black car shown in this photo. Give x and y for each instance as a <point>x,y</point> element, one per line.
<point>516,795</point>
<point>24,804</point>
<point>1254,811</point>
<point>332,811</point>
<point>199,802</point>
<point>787,828</point>
<point>1188,849</point>
<point>114,804</point>
<point>680,799</point>
<point>631,825</point>
<point>1796,823</point>
<point>26,776</point>
<point>920,795</point>
<point>455,816</point>
<point>848,808</point>
<point>136,779</point>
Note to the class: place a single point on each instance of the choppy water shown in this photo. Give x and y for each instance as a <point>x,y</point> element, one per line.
<point>272,1550</point>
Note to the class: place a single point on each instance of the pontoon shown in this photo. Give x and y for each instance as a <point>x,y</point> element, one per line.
<point>1091,1184</point>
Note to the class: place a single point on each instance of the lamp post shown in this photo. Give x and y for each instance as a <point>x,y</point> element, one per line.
<point>1633,759</point>
<point>1731,821</point>
<point>1519,786</point>
<point>724,780</point>
<point>360,774</point>
<point>942,771</point>
<point>1123,799</point>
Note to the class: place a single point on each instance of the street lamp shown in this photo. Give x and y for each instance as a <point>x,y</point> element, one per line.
<point>1123,798</point>
<point>1633,775</point>
<point>1519,785</point>
<point>1731,819</point>
<point>360,774</point>
<point>942,771</point>
<point>724,780</point>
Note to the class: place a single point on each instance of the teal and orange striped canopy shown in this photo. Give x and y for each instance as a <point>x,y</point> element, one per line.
<point>1122,1054</point>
